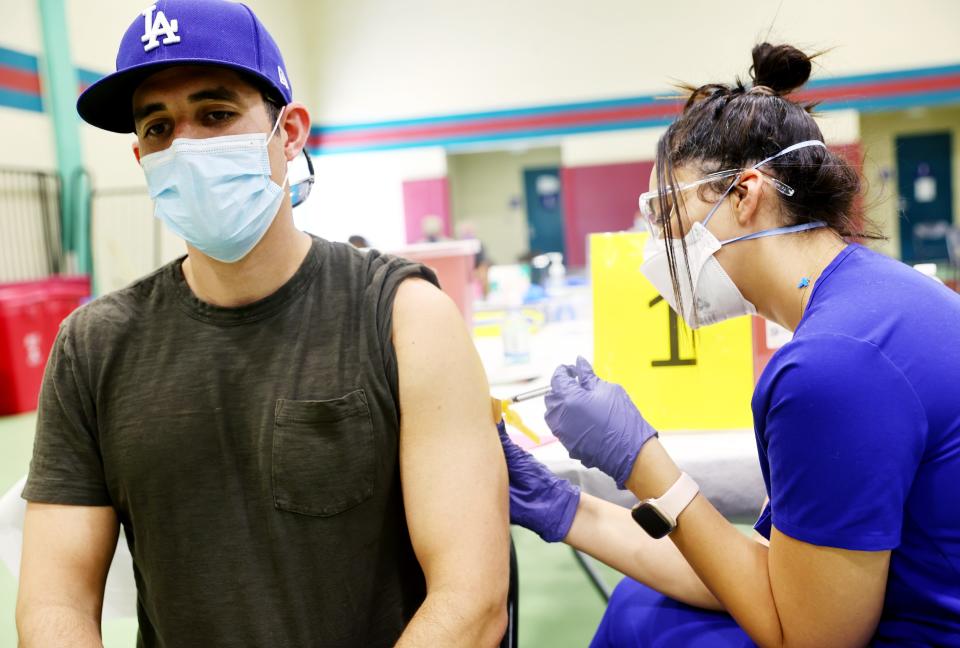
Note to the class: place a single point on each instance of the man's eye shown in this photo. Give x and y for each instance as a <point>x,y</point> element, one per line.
<point>219,115</point>
<point>155,130</point>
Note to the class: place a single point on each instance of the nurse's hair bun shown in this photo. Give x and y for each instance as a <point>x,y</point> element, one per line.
<point>781,68</point>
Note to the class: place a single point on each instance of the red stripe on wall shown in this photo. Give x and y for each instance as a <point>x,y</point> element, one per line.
<point>19,80</point>
<point>626,115</point>
<point>651,111</point>
<point>886,88</point>
<point>613,115</point>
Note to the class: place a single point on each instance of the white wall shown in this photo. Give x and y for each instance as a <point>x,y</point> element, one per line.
<point>381,59</point>
<point>20,27</point>
<point>26,140</point>
<point>362,193</point>
<point>372,60</point>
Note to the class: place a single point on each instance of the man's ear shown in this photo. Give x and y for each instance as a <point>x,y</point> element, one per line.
<point>136,151</point>
<point>746,196</point>
<point>296,126</point>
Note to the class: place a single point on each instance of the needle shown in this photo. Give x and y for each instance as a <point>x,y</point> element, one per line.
<point>530,395</point>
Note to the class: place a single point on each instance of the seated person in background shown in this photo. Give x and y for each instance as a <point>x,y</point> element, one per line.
<point>432,228</point>
<point>271,417</point>
<point>481,262</point>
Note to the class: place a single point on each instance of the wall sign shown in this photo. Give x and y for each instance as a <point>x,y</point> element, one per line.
<point>677,384</point>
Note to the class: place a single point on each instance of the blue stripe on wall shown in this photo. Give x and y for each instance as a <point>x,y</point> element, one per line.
<point>489,137</point>
<point>902,102</point>
<point>21,100</point>
<point>640,100</point>
<point>497,114</point>
<point>18,60</point>
<point>866,105</point>
<point>896,75</point>
<point>88,77</point>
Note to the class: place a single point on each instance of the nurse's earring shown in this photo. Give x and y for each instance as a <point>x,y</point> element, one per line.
<point>803,284</point>
<point>805,281</point>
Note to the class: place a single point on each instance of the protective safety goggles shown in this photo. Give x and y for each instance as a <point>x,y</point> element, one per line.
<point>650,201</point>
<point>301,190</point>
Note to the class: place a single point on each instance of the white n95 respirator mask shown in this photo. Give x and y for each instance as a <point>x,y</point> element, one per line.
<point>216,193</point>
<point>716,297</point>
<point>713,296</point>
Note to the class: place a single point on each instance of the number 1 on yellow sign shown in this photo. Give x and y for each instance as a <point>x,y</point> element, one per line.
<point>642,344</point>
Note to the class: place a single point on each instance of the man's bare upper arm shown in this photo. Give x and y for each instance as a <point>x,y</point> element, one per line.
<point>452,466</point>
<point>67,551</point>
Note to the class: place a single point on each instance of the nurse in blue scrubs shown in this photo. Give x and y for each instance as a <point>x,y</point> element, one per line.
<point>857,419</point>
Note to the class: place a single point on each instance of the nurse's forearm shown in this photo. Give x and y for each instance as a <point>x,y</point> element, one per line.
<point>608,533</point>
<point>733,566</point>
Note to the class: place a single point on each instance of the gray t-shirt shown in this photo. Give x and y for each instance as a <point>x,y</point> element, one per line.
<point>251,453</point>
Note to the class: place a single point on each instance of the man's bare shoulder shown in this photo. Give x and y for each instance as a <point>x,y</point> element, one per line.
<point>118,313</point>
<point>418,298</point>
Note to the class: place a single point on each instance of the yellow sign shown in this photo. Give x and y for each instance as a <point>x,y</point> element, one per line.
<point>677,381</point>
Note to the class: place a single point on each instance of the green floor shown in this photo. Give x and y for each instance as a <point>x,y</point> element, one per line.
<point>558,606</point>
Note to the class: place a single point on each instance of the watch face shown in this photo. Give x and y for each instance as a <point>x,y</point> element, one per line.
<point>652,522</point>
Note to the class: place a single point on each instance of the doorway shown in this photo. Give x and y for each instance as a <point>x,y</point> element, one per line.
<point>924,182</point>
<point>541,188</point>
<point>487,196</point>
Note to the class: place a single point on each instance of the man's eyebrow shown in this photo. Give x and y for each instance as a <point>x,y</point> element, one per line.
<point>220,93</point>
<point>216,94</point>
<point>142,113</point>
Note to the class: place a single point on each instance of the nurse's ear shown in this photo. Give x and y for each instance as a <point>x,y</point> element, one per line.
<point>747,197</point>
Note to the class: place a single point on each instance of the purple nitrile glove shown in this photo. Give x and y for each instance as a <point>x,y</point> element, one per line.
<point>596,421</point>
<point>539,500</point>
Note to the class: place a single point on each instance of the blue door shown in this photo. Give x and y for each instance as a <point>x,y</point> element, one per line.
<point>544,209</point>
<point>926,196</point>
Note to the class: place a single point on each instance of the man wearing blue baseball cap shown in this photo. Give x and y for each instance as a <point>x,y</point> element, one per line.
<point>295,435</point>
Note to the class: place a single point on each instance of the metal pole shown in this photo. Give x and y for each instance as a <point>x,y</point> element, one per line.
<point>593,575</point>
<point>61,85</point>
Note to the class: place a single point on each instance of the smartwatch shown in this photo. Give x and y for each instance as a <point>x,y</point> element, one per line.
<point>658,516</point>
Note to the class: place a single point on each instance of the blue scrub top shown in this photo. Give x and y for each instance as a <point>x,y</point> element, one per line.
<point>858,428</point>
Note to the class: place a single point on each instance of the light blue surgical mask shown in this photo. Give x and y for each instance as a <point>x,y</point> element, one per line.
<point>216,193</point>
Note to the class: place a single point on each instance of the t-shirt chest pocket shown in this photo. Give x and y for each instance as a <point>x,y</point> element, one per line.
<point>323,455</point>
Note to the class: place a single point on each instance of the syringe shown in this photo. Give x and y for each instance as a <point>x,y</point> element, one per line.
<point>530,395</point>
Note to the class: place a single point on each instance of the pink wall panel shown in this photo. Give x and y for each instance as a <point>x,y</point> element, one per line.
<point>600,198</point>
<point>421,198</point>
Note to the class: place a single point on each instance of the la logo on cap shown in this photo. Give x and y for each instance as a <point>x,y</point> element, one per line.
<point>156,26</point>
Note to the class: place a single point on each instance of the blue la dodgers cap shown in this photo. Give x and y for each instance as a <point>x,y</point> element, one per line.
<point>183,32</point>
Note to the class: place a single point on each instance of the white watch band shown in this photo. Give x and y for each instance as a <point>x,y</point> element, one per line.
<point>678,497</point>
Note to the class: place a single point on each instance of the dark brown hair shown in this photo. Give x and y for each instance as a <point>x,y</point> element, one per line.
<point>273,101</point>
<point>735,126</point>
